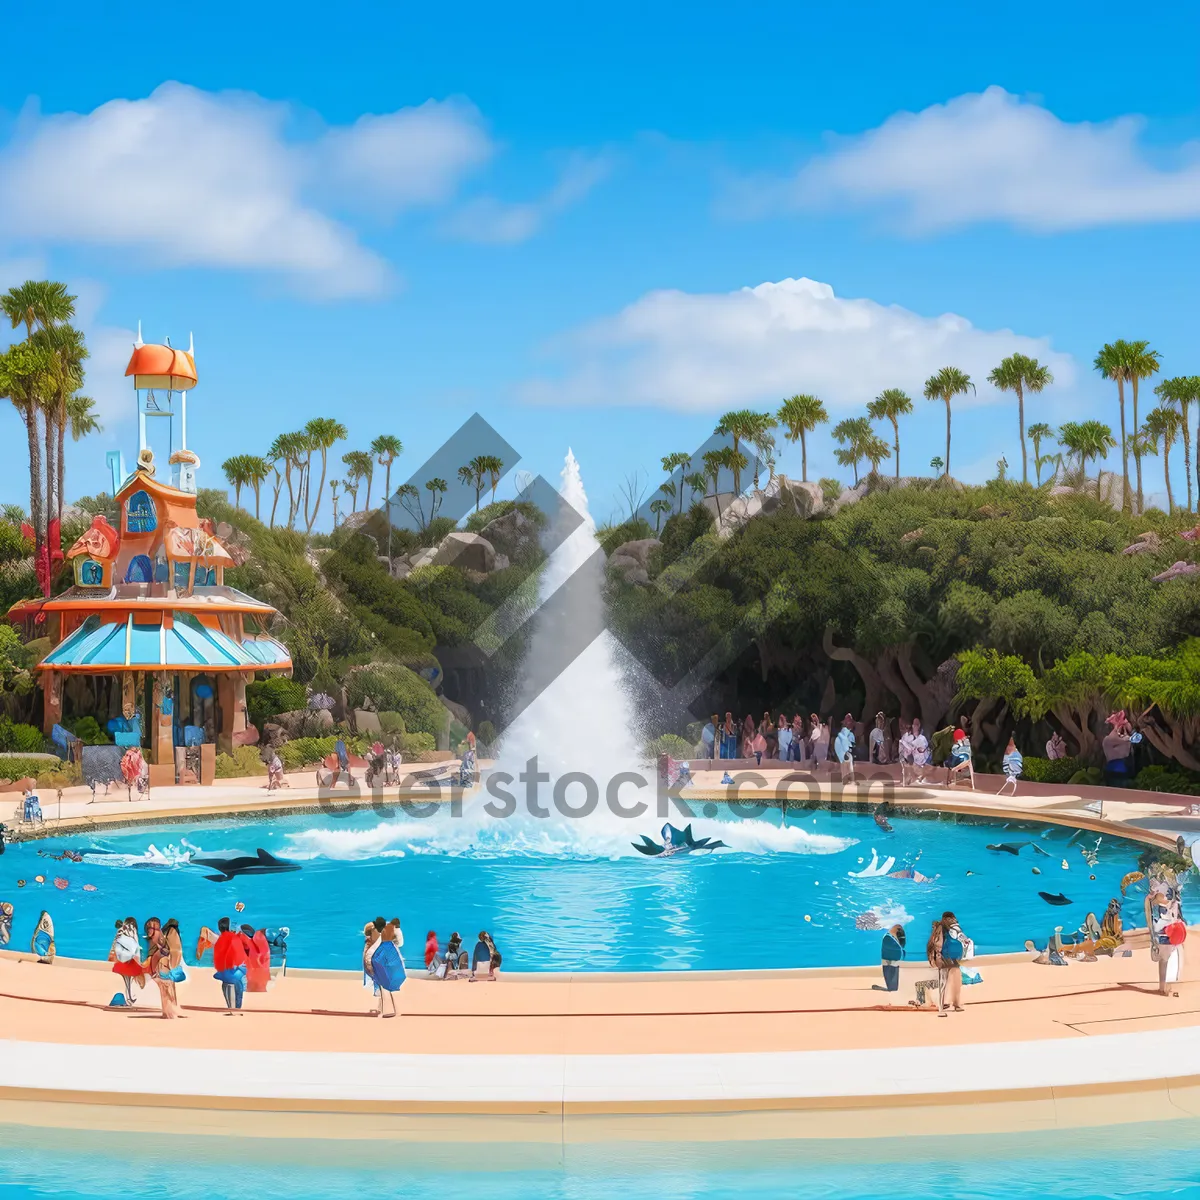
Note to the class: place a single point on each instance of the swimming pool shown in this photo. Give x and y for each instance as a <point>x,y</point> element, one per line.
<point>1140,1161</point>
<point>789,891</point>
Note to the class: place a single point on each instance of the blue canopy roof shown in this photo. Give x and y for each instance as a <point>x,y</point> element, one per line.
<point>146,642</point>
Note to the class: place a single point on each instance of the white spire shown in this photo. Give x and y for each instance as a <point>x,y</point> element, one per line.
<point>139,343</point>
<point>191,343</point>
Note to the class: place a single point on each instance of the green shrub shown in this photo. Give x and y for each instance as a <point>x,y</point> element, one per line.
<point>1166,779</point>
<point>20,739</point>
<point>1089,776</point>
<point>391,723</point>
<point>19,766</point>
<point>1050,770</point>
<point>243,761</point>
<point>303,752</point>
<point>267,698</point>
<point>412,744</point>
<point>672,744</point>
<point>65,775</point>
<point>486,733</point>
<point>395,688</point>
<point>88,730</point>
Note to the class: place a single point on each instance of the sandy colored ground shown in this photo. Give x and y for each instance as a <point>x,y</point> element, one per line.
<point>597,1019</point>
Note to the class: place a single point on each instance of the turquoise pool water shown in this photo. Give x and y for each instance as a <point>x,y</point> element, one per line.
<point>1129,1162</point>
<point>789,890</point>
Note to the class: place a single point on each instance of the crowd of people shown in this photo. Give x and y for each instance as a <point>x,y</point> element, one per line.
<point>241,959</point>
<point>813,741</point>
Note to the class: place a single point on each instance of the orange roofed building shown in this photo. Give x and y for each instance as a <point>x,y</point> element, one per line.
<point>149,638</point>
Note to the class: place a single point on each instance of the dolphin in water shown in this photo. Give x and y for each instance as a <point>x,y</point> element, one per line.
<point>261,863</point>
<point>1015,847</point>
<point>675,841</point>
<point>1058,899</point>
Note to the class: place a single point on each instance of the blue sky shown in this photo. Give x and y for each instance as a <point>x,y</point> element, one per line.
<point>400,217</point>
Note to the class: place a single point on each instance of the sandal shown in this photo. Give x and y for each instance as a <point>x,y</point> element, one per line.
<point>958,1008</point>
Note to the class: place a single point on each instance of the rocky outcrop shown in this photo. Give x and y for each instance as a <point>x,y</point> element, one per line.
<point>1108,489</point>
<point>514,536</point>
<point>470,551</point>
<point>1147,543</point>
<point>632,559</point>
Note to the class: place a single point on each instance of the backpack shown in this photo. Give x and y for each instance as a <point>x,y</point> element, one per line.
<point>952,949</point>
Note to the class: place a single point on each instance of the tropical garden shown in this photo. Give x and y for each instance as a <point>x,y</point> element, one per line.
<point>1037,601</point>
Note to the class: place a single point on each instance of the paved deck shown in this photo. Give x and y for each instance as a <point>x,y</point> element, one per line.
<point>556,1058</point>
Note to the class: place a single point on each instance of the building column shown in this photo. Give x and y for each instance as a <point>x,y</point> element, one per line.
<point>231,696</point>
<point>162,740</point>
<point>52,700</point>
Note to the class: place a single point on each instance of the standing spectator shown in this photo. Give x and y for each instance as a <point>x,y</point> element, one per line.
<point>891,955</point>
<point>758,747</point>
<point>1011,764</point>
<point>229,958</point>
<point>945,952</point>
<point>748,732</point>
<point>708,738</point>
<point>1118,749</point>
<point>729,737</point>
<point>818,739</point>
<point>1056,748</point>
<point>1164,920</point>
<point>843,747</point>
<point>878,742</point>
<point>799,740</point>
<point>783,739</point>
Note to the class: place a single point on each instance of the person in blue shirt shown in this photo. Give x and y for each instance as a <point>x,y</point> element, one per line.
<point>784,740</point>
<point>843,746</point>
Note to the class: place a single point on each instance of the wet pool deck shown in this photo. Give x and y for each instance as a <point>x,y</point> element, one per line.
<point>707,1055</point>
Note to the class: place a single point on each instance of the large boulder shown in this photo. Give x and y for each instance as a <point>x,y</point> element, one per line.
<point>851,496</point>
<point>632,559</point>
<point>513,535</point>
<point>800,497</point>
<point>470,551</point>
<point>737,512</point>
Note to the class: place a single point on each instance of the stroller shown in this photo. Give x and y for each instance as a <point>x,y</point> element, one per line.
<point>31,811</point>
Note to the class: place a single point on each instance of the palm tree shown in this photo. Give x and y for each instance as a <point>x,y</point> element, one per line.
<point>474,473</point>
<point>321,432</point>
<point>258,470</point>
<point>42,304</point>
<point>660,505</point>
<point>1087,440</point>
<point>742,425</point>
<point>799,415</point>
<point>1182,391</point>
<point>235,469</point>
<point>24,368</point>
<point>936,464</point>
<point>875,450</point>
<point>1142,363</point>
<point>387,449</point>
<point>1038,433</point>
<point>81,416</point>
<point>697,483</point>
<point>890,405</point>
<point>945,385</point>
<point>715,461</point>
<point>437,489</point>
<point>853,433</point>
<point>1113,363</point>
<point>764,452</point>
<point>334,484</point>
<point>68,353</point>
<point>1019,373</point>
<point>494,465</point>
<point>359,465</point>
<point>1163,425</point>
<point>681,462</point>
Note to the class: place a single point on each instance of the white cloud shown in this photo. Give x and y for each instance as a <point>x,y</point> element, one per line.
<point>191,178</point>
<point>705,353</point>
<point>486,219</point>
<point>994,156</point>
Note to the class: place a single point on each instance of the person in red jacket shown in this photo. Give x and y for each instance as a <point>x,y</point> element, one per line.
<point>229,958</point>
<point>258,964</point>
